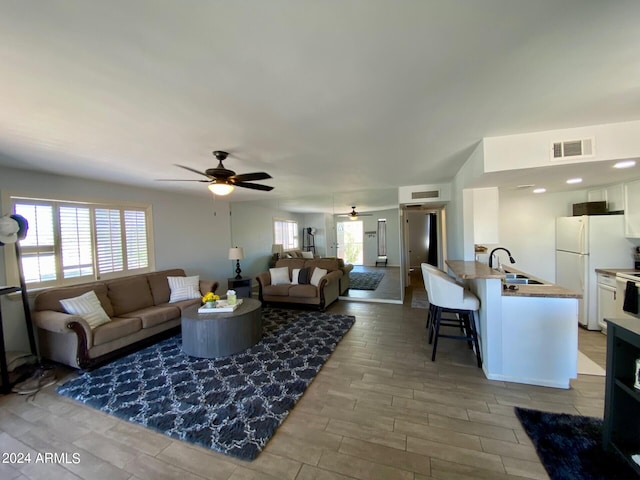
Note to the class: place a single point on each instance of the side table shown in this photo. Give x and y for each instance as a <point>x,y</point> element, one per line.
<point>242,286</point>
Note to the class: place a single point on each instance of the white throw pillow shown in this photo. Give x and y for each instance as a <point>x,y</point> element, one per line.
<point>295,273</point>
<point>280,276</point>
<point>88,307</point>
<point>184,288</point>
<point>307,254</point>
<point>318,273</point>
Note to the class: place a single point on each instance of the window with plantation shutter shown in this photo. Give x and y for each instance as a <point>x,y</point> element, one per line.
<point>109,241</point>
<point>78,242</point>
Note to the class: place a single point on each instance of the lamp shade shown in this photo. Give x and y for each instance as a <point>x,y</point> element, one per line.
<point>277,248</point>
<point>236,253</point>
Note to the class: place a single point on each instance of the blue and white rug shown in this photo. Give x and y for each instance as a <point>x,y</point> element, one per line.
<point>365,280</point>
<point>233,404</point>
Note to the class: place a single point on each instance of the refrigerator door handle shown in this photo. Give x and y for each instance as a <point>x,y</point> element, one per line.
<point>581,268</point>
<point>581,237</point>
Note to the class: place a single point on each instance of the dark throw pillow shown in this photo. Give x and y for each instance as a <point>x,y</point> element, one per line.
<point>304,277</point>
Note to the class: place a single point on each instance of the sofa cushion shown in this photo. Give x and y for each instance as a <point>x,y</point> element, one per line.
<point>279,276</point>
<point>184,288</point>
<point>306,291</point>
<point>281,290</point>
<point>160,285</point>
<point>317,274</point>
<point>129,294</point>
<point>155,315</point>
<point>50,299</point>
<point>88,307</point>
<point>117,328</point>
<point>291,263</point>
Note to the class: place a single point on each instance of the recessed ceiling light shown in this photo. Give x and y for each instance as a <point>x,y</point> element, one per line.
<point>625,164</point>
<point>539,190</point>
<point>574,180</point>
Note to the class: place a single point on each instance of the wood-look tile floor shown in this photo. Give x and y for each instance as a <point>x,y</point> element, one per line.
<point>379,409</point>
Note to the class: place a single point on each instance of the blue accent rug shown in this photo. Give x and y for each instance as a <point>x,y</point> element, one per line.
<point>233,404</point>
<point>365,280</point>
<point>570,446</point>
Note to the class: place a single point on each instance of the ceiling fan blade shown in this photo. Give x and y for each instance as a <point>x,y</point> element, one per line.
<point>248,177</point>
<point>253,186</point>
<point>191,169</point>
<point>179,180</point>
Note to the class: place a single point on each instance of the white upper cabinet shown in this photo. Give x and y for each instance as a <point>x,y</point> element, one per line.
<point>632,209</point>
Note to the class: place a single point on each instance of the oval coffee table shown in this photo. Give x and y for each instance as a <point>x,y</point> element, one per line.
<point>212,335</point>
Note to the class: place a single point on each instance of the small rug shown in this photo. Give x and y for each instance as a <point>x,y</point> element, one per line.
<point>365,280</point>
<point>419,298</point>
<point>586,366</point>
<point>570,446</point>
<point>233,404</point>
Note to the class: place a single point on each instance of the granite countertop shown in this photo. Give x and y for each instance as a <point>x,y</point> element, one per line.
<point>613,271</point>
<point>469,270</point>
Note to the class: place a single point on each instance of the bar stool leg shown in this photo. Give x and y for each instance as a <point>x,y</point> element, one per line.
<point>475,338</point>
<point>436,328</point>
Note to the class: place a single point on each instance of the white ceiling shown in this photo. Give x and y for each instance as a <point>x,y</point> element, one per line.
<point>325,95</point>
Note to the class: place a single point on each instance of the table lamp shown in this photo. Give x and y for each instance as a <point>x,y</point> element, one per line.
<point>237,254</point>
<point>277,250</point>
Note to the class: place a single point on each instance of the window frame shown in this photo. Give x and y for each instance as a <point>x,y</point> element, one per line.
<point>11,264</point>
<point>296,233</point>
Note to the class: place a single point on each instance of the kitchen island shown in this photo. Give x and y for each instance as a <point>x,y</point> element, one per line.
<point>528,334</point>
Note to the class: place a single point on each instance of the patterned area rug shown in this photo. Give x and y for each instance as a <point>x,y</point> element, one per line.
<point>365,280</point>
<point>570,446</point>
<point>233,404</point>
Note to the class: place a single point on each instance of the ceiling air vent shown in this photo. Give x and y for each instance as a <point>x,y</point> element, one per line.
<point>572,149</point>
<point>428,194</point>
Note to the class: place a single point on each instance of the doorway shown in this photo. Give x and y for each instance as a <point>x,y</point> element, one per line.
<point>424,238</point>
<point>350,236</point>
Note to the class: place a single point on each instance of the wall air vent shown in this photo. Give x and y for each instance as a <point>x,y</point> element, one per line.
<point>428,194</point>
<point>573,149</point>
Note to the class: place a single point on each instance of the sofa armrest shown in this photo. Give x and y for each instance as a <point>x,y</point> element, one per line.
<point>347,268</point>
<point>330,277</point>
<point>59,322</point>
<point>263,279</point>
<point>207,286</point>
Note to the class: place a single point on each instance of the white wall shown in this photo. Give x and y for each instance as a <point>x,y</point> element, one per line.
<point>189,232</point>
<point>527,228</point>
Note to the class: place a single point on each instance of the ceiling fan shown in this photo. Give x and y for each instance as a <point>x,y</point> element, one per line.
<point>222,181</point>
<point>353,215</point>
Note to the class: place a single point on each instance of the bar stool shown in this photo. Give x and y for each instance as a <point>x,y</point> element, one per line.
<point>448,296</point>
<point>426,270</point>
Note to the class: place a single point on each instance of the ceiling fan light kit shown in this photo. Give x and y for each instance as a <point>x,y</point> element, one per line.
<point>223,181</point>
<point>353,215</point>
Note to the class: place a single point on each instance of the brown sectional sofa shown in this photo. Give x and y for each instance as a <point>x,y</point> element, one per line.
<point>321,296</point>
<point>139,309</point>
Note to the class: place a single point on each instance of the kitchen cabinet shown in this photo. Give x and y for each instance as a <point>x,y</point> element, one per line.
<point>622,401</point>
<point>612,194</point>
<point>606,299</point>
<point>632,209</point>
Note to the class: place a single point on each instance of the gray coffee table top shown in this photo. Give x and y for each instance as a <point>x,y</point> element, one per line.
<point>218,334</point>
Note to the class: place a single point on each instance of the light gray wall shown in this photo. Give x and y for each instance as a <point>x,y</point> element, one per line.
<point>190,231</point>
<point>252,229</point>
<point>370,224</point>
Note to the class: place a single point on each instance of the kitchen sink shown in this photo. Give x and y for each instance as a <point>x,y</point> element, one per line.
<point>519,279</point>
<point>522,281</point>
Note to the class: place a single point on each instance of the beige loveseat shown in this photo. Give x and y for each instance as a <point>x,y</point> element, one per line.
<point>320,296</point>
<point>345,280</point>
<point>139,309</point>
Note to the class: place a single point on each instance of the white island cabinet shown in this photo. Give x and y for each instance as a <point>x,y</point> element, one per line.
<point>529,335</point>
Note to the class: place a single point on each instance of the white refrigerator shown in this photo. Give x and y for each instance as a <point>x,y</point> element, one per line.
<point>583,244</point>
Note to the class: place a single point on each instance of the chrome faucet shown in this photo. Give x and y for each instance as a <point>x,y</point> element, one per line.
<point>499,248</point>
